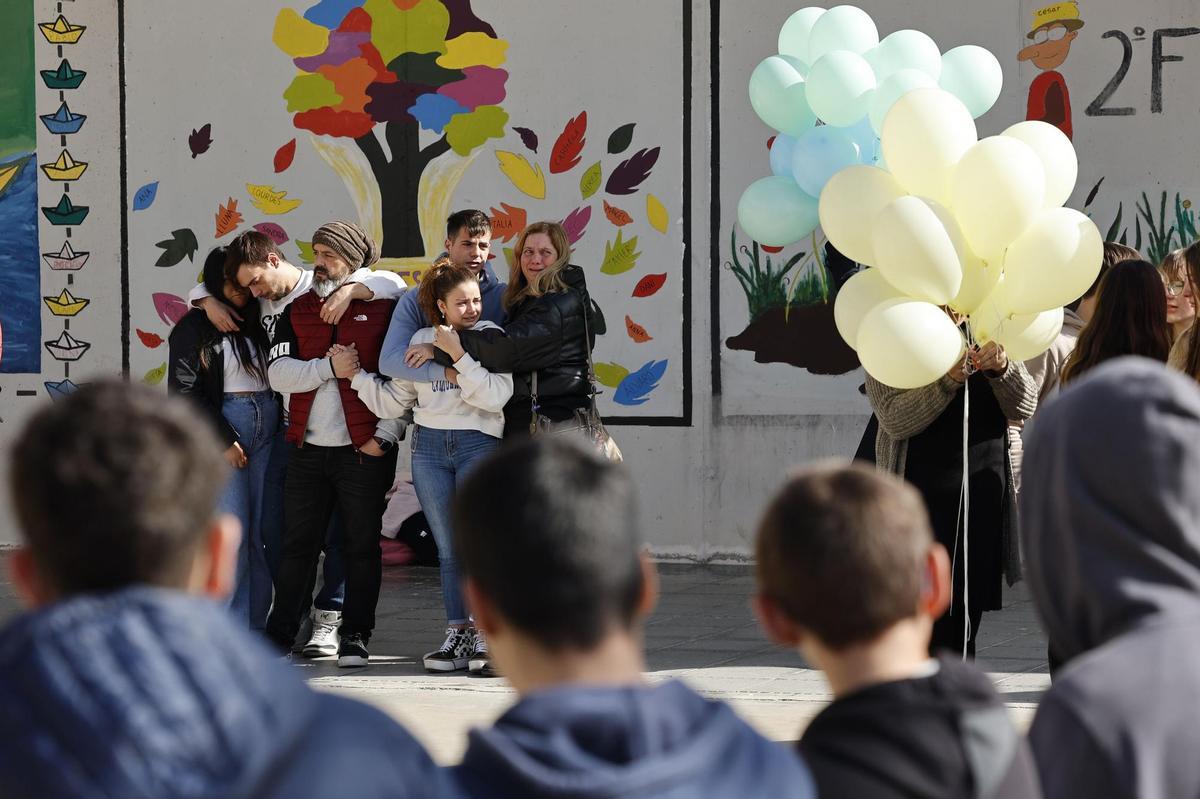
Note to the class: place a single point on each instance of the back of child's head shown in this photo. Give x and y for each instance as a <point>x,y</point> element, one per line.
<point>842,551</point>
<point>115,485</point>
<point>548,533</point>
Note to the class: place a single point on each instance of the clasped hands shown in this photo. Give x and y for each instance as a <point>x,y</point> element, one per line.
<point>989,358</point>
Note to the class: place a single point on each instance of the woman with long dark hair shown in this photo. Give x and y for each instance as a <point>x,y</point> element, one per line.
<point>550,326</point>
<point>225,374</point>
<point>1130,319</point>
<point>1185,353</point>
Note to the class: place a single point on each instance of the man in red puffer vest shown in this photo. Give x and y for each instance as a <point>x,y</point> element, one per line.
<point>336,459</point>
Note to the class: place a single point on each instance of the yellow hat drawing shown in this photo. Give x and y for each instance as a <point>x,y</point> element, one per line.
<point>1065,14</point>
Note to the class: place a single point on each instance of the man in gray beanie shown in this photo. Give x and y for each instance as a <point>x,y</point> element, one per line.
<point>340,248</point>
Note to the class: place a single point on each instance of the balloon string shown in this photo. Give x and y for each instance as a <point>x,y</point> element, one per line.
<point>964,508</point>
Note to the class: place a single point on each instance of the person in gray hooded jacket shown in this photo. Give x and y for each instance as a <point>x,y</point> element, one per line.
<point>1110,517</point>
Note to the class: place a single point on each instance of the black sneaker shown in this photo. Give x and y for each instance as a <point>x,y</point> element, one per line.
<point>480,662</point>
<point>352,651</point>
<point>455,651</point>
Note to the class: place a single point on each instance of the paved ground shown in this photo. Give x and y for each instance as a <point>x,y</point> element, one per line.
<point>703,632</point>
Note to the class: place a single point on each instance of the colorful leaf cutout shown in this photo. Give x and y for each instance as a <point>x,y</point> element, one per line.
<point>228,218</point>
<point>616,215</point>
<point>630,173</point>
<point>636,331</point>
<point>527,179</point>
<point>200,140</point>
<point>576,223</point>
<point>619,139</point>
<point>151,340</point>
<point>649,285</point>
<point>528,138</point>
<point>508,255</point>
<point>306,251</point>
<point>619,256</point>
<point>272,231</point>
<point>155,375</point>
<point>565,155</point>
<point>656,213</point>
<point>181,244</point>
<point>271,201</point>
<point>284,156</point>
<point>611,374</point>
<point>143,198</point>
<point>634,389</point>
<point>590,182</point>
<point>169,307</point>
<point>507,222</point>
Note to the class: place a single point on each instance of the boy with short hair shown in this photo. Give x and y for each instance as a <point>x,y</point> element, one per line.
<point>554,571</point>
<point>124,678</point>
<point>850,575</point>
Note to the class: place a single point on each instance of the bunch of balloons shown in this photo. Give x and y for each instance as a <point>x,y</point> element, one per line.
<point>832,67</point>
<point>952,227</point>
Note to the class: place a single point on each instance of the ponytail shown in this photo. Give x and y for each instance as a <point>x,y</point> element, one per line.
<point>437,282</point>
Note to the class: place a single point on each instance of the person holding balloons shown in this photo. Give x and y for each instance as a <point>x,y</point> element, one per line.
<point>921,437</point>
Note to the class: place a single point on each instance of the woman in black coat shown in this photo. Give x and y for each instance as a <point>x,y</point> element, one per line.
<point>548,332</point>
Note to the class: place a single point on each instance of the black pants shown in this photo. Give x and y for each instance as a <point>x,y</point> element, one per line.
<point>320,479</point>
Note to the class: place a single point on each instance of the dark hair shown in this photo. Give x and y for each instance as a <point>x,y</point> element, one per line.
<point>1114,253</point>
<point>250,342</point>
<point>1192,362</point>
<point>114,486</point>
<point>841,549</point>
<point>548,533</point>
<point>249,247</point>
<point>475,221</point>
<point>1130,319</point>
<point>436,282</point>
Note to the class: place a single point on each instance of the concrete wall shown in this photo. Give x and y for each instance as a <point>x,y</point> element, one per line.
<point>712,435</point>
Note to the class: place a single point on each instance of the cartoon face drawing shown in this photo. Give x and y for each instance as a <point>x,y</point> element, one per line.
<point>1051,46</point>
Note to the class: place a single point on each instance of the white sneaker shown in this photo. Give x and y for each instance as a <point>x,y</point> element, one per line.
<point>480,663</point>
<point>324,641</point>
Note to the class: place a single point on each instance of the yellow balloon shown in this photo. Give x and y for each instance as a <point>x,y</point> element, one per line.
<point>914,251</point>
<point>1053,262</point>
<point>848,206</point>
<point>924,136</point>
<point>861,294</point>
<point>1057,155</point>
<point>1026,336</point>
<point>908,343</point>
<point>990,314</point>
<point>979,277</point>
<point>996,191</point>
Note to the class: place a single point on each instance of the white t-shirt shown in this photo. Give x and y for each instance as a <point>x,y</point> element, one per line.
<point>237,378</point>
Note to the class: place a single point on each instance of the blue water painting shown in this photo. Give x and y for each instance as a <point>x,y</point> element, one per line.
<point>20,274</point>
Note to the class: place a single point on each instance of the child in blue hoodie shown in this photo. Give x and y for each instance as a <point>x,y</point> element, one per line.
<point>555,574</point>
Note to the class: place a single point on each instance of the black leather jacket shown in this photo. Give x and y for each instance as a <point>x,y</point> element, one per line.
<point>543,335</point>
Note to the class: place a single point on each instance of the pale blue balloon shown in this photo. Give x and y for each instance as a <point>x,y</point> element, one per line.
<point>865,139</point>
<point>781,155</point>
<point>793,36</point>
<point>775,212</point>
<point>842,28</point>
<point>973,75</point>
<point>905,49</point>
<point>892,89</point>
<point>839,87</point>
<point>778,96</point>
<point>819,154</point>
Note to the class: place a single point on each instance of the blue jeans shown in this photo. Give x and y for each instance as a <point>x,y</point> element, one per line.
<point>441,460</point>
<point>333,570</point>
<point>255,417</point>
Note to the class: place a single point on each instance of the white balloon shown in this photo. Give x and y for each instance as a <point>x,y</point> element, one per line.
<point>908,343</point>
<point>996,191</point>
<point>1053,262</point>
<point>924,136</point>
<point>857,297</point>
<point>1057,155</point>
<point>915,252</point>
<point>842,28</point>
<point>891,89</point>
<point>793,36</point>
<point>848,206</point>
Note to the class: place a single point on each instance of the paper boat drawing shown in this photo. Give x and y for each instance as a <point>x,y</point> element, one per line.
<point>65,213</point>
<point>65,304</point>
<point>60,31</point>
<point>64,77</point>
<point>65,168</point>
<point>63,121</point>
<point>66,259</point>
<point>11,170</point>
<point>60,389</point>
<point>67,348</point>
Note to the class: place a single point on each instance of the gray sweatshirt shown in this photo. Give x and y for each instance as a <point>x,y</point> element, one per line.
<point>1110,517</point>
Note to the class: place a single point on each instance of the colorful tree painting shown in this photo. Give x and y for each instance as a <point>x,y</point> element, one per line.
<point>405,66</point>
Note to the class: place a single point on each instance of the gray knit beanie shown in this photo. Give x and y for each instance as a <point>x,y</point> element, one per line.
<point>349,241</point>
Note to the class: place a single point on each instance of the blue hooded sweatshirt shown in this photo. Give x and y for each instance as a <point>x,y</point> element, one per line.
<point>662,742</point>
<point>153,693</point>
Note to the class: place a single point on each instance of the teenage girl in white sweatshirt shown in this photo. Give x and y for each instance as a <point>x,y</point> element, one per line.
<point>458,422</point>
